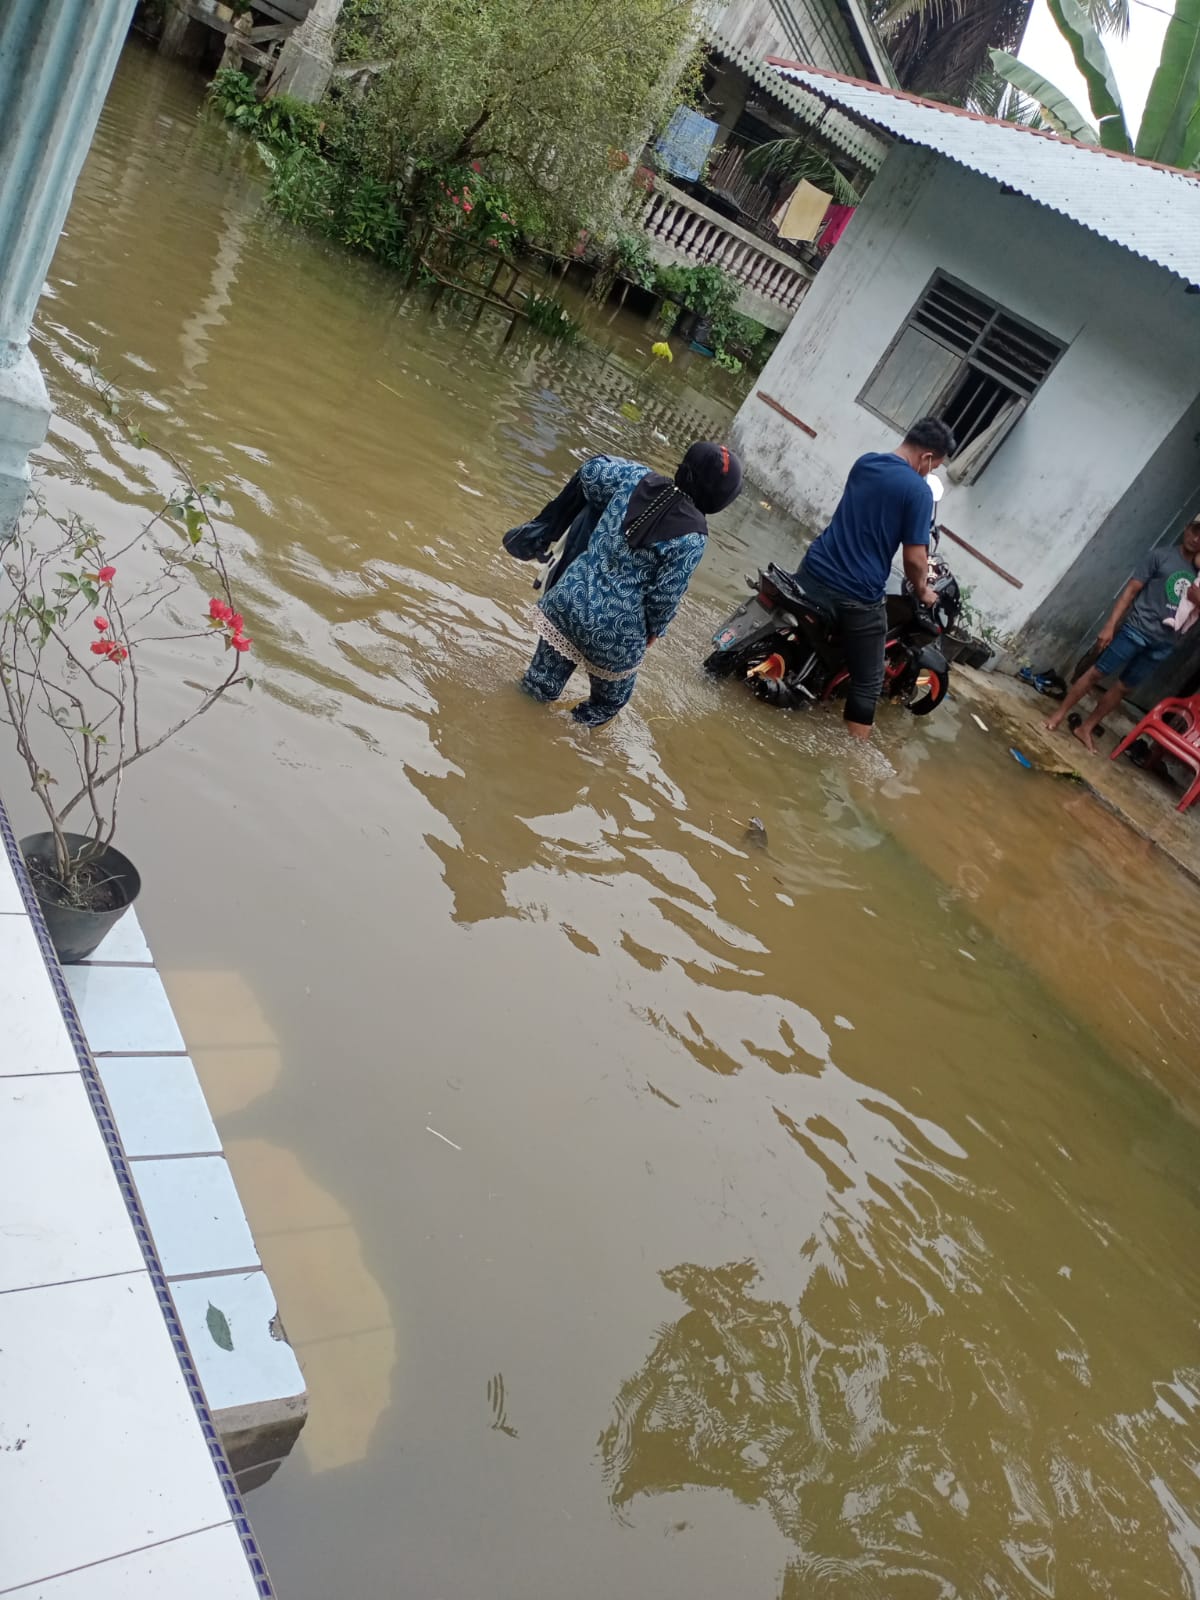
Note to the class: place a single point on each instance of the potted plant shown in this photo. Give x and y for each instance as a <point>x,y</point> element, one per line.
<point>971,648</point>
<point>86,624</point>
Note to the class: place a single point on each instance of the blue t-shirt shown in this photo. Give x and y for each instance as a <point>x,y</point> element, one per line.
<point>886,503</point>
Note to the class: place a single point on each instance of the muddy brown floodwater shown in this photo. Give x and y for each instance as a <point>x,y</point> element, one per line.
<point>820,1219</point>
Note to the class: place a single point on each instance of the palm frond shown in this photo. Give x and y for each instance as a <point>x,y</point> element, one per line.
<point>796,160</point>
<point>888,15</point>
<point>939,47</point>
<point>1110,16</point>
<point>990,96</point>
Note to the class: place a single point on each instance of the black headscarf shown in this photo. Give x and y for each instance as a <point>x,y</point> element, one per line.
<point>707,480</point>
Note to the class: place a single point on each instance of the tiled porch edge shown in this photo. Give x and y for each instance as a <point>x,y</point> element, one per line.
<point>103,1266</point>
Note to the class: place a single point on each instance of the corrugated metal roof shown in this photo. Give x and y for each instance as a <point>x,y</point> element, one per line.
<point>1151,210</point>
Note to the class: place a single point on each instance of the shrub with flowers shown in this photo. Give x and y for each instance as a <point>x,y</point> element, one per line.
<point>471,202</point>
<point>86,623</point>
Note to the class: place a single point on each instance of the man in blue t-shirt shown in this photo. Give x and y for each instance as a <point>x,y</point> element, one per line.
<point>885,506</point>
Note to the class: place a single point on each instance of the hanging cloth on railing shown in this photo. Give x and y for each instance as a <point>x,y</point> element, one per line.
<point>803,212</point>
<point>837,219</point>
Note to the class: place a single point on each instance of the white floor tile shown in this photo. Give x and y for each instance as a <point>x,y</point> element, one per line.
<point>203,1566</point>
<point>33,1035</point>
<point>124,1010</point>
<point>61,1212</point>
<point>158,1104</point>
<point>238,1310</point>
<point>126,942</point>
<point>10,895</point>
<point>194,1214</point>
<point>103,1451</point>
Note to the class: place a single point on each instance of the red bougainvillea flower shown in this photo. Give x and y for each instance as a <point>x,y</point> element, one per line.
<point>235,621</point>
<point>106,574</point>
<point>477,166</point>
<point>240,642</point>
<point>493,244</point>
<point>467,206</point>
<point>218,610</point>
<point>101,625</point>
<point>504,217</point>
<point>100,647</point>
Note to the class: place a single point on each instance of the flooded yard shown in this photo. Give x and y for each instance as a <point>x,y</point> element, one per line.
<point>655,1210</point>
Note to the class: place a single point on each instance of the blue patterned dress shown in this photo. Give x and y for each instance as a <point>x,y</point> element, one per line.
<point>610,601</point>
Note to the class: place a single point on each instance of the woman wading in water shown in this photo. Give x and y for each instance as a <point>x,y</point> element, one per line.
<point>619,594</point>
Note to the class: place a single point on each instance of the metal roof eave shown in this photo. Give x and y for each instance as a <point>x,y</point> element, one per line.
<point>852,135</point>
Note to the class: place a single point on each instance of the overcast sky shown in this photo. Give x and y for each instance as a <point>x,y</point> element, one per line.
<point>1134,59</point>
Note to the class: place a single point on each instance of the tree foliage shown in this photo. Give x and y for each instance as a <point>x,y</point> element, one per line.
<point>943,48</point>
<point>1170,130</point>
<point>1055,109</point>
<point>801,162</point>
<point>551,96</point>
<point>940,47</point>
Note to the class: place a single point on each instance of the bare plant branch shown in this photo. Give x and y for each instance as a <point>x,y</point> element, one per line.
<point>72,626</point>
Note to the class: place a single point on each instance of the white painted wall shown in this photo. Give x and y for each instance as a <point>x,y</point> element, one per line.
<point>1130,372</point>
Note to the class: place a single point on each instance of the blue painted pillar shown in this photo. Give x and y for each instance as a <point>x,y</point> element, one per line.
<point>57,59</point>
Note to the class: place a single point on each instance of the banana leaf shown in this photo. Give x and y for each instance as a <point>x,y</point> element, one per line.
<point>1062,114</point>
<point>1092,60</point>
<point>1170,130</point>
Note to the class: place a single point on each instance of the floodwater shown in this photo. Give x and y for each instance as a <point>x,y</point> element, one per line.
<point>655,1210</point>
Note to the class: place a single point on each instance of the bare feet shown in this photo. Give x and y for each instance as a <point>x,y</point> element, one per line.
<point>1084,734</point>
<point>1053,723</point>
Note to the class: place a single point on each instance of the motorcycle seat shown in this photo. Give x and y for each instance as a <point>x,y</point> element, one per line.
<point>789,586</point>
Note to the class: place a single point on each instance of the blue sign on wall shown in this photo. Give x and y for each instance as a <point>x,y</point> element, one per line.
<point>685,143</point>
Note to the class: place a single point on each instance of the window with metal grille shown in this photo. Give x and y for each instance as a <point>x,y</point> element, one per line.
<point>960,357</point>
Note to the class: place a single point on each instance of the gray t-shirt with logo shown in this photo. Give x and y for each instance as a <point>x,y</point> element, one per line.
<point>1165,574</point>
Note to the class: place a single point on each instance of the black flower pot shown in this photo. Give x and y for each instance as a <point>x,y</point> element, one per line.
<point>965,647</point>
<point>75,931</point>
<point>977,654</point>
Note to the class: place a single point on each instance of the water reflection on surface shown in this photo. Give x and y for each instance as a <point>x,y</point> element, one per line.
<point>823,1214</point>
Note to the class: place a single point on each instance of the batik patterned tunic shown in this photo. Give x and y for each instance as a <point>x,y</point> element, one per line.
<point>613,598</point>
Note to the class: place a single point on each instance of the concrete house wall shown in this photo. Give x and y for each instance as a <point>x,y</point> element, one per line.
<point>1104,460</point>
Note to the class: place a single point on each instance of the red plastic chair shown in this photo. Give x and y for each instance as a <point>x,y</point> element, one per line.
<point>1181,742</point>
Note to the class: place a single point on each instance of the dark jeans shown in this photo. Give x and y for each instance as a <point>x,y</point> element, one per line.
<point>862,634</point>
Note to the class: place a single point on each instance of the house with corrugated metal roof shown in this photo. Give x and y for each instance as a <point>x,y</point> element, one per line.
<point>1044,298</point>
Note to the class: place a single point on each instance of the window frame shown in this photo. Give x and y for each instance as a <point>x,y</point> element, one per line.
<point>966,362</point>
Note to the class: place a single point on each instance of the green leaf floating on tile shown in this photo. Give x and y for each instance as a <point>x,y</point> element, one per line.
<point>218,1326</point>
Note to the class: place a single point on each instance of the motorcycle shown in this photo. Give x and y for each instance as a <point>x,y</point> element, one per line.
<point>785,644</point>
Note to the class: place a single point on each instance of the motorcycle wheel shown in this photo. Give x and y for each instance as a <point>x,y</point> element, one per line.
<point>937,686</point>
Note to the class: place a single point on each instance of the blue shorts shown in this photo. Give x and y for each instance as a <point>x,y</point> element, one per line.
<point>1131,657</point>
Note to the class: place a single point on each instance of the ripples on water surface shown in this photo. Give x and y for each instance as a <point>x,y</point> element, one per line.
<point>824,1222</point>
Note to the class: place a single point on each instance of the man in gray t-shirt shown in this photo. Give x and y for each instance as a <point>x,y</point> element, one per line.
<point>1165,575</point>
<point>1139,634</point>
